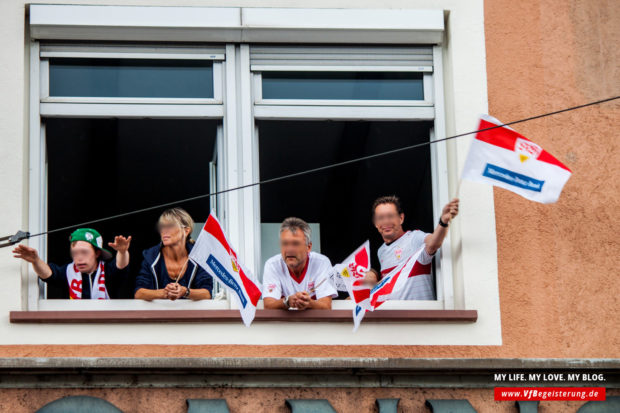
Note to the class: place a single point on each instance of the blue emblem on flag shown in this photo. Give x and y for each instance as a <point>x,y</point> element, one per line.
<point>225,277</point>
<point>512,178</point>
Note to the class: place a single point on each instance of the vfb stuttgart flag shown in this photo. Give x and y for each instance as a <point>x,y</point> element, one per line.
<point>213,252</point>
<point>505,158</point>
<point>390,286</point>
<point>352,271</point>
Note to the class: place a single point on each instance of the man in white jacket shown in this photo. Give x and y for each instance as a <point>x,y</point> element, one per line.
<point>297,278</point>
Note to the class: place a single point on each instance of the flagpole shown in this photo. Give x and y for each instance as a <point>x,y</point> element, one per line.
<point>458,189</point>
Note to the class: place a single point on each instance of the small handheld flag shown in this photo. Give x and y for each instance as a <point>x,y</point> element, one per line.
<point>390,286</point>
<point>503,157</point>
<point>352,271</point>
<point>213,252</point>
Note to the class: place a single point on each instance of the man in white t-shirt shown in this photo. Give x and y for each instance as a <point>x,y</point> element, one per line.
<point>297,277</point>
<point>388,218</point>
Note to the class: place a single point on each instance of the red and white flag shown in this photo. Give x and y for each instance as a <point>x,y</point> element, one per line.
<point>352,272</point>
<point>505,158</point>
<point>390,286</point>
<point>213,252</point>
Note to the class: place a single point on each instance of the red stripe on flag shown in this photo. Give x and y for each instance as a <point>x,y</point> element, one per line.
<point>213,228</point>
<point>250,288</point>
<point>361,258</point>
<point>548,158</point>
<point>507,138</point>
<point>502,137</point>
<point>387,288</point>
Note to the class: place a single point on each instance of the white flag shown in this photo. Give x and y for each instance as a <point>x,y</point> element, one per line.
<point>213,252</point>
<point>505,158</point>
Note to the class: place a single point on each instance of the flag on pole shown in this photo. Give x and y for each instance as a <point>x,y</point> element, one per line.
<point>505,158</point>
<point>352,272</point>
<point>213,252</point>
<point>390,286</point>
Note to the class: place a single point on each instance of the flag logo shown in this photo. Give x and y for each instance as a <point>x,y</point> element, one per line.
<point>502,157</point>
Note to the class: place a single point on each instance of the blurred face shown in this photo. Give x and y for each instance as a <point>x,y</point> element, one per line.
<point>388,222</point>
<point>294,248</point>
<point>171,233</point>
<point>84,256</point>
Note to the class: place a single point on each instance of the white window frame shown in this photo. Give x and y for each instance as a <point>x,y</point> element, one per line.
<point>54,106</point>
<point>430,109</point>
<point>44,106</point>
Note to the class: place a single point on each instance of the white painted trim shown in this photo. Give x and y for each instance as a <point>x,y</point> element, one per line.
<point>343,112</point>
<point>393,305</point>
<point>104,110</point>
<point>110,305</point>
<point>231,201</point>
<point>429,94</point>
<point>68,16</point>
<point>127,101</point>
<point>247,150</point>
<point>320,68</point>
<point>36,176</point>
<point>343,102</point>
<point>103,55</point>
<point>218,84</point>
<point>441,193</point>
<point>236,25</point>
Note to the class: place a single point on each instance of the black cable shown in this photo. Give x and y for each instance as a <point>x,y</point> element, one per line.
<point>321,168</point>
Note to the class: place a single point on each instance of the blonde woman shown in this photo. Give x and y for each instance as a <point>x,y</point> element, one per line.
<point>167,272</point>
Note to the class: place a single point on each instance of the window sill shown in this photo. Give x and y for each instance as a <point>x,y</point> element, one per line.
<point>223,316</point>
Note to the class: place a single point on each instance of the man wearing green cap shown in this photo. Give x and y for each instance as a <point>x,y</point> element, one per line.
<point>92,272</point>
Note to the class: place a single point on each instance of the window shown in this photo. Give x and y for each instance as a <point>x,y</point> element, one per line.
<point>341,212</point>
<point>319,105</point>
<point>118,124</point>
<point>102,167</point>
<point>343,85</point>
<point>247,44</point>
<point>258,46</point>
<point>130,78</point>
<point>311,106</point>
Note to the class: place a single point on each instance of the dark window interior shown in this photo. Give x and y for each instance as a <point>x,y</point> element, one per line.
<point>340,199</point>
<point>102,167</point>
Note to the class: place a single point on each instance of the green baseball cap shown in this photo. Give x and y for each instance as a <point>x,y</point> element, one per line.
<point>93,238</point>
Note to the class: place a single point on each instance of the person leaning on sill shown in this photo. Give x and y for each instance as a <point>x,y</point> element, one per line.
<point>167,272</point>
<point>92,274</point>
<point>297,278</point>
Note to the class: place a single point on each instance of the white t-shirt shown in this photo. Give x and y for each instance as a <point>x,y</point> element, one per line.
<point>279,283</point>
<point>420,282</point>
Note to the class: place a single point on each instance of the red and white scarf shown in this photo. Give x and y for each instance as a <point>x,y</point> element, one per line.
<point>97,291</point>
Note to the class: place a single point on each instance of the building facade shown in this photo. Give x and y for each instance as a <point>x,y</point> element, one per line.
<point>112,107</point>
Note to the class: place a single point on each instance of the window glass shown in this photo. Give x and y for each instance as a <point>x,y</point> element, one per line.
<point>343,85</point>
<point>125,78</point>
